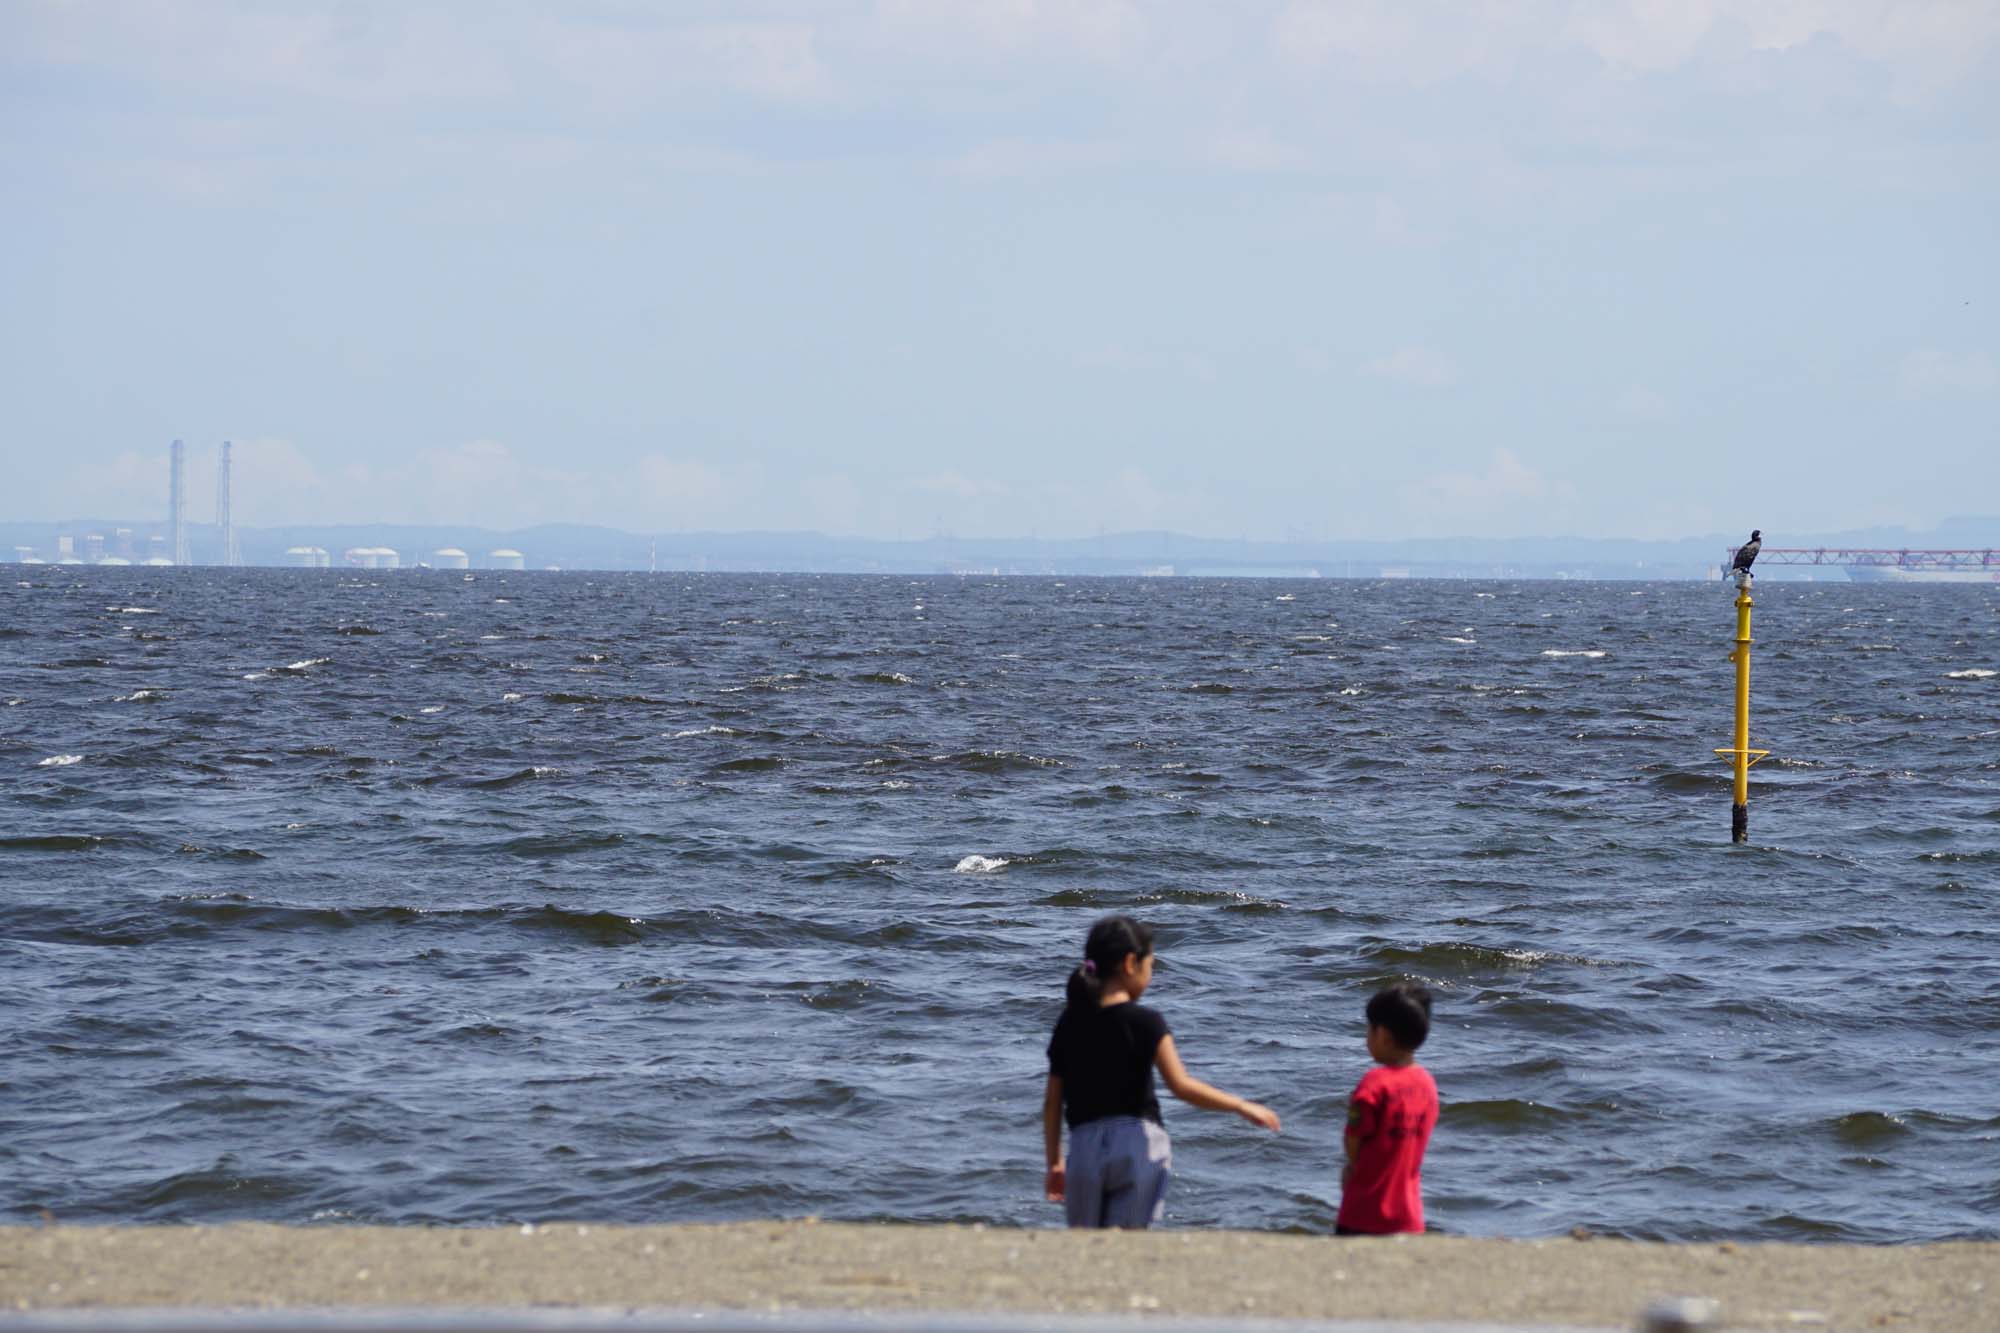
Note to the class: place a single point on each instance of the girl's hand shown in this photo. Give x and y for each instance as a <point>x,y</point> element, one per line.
<point>1259,1114</point>
<point>1052,1184</point>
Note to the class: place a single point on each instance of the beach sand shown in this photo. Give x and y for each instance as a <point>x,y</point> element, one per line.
<point>805,1265</point>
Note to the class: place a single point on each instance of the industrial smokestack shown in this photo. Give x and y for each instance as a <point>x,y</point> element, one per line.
<point>177,503</point>
<point>231,556</point>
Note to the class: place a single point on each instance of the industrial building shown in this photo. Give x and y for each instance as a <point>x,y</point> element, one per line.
<point>450,557</point>
<point>308,557</point>
<point>506,558</point>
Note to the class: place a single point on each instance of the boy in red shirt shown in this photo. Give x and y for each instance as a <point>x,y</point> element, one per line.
<point>1389,1120</point>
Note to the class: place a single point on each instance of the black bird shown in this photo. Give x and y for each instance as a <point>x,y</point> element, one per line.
<point>1746,554</point>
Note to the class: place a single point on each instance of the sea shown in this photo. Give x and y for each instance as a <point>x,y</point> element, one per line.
<point>494,898</point>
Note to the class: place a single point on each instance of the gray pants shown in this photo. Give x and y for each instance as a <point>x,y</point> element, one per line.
<point>1117,1172</point>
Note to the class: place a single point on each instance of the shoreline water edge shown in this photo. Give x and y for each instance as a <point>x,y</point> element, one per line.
<point>804,1265</point>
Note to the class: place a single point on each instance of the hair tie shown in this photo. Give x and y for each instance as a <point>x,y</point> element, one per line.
<point>1090,967</point>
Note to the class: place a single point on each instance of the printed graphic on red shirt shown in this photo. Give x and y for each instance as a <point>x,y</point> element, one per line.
<point>1393,1112</point>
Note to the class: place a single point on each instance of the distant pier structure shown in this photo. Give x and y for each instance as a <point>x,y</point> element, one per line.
<point>232,554</point>
<point>177,502</point>
<point>1865,564</point>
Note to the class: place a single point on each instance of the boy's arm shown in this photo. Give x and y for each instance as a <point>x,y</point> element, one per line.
<point>1052,1101</point>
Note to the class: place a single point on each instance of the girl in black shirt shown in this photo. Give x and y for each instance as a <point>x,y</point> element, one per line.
<point>1101,1061</point>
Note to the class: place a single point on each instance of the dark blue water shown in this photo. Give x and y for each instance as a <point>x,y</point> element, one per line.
<point>426,897</point>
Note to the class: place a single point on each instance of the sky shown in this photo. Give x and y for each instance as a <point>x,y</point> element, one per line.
<point>1293,269</point>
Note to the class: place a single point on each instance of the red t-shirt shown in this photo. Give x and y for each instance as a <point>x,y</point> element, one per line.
<point>1393,1111</point>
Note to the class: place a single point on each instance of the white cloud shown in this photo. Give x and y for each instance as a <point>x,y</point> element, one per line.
<point>621,68</point>
<point>1641,404</point>
<point>671,492</point>
<point>1013,159</point>
<point>1136,501</point>
<point>270,479</point>
<point>1505,486</point>
<point>958,486</point>
<point>1925,45</point>
<point>1097,30</point>
<point>1927,372</point>
<point>1253,151</point>
<point>1412,365</point>
<point>130,483</point>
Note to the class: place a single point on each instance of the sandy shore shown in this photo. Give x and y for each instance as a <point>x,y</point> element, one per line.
<point>807,1265</point>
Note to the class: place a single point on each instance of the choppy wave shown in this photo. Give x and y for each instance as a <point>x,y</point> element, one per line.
<point>694,886</point>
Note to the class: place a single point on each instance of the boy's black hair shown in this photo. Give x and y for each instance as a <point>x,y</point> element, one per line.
<point>1110,940</point>
<point>1404,1009</point>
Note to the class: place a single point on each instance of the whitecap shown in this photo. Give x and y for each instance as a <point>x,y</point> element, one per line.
<point>897,784</point>
<point>434,708</point>
<point>60,761</point>
<point>15,703</point>
<point>510,698</point>
<point>304,664</point>
<point>711,730</point>
<point>1459,638</point>
<point>135,610</point>
<point>1286,597</point>
<point>979,865</point>
<point>1353,690</point>
<point>258,675</point>
<point>1971,673</point>
<point>1573,652</point>
<point>136,696</point>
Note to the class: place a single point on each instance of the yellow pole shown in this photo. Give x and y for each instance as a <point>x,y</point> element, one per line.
<point>1739,813</point>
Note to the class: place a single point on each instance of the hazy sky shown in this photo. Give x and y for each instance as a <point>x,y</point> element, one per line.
<point>1658,267</point>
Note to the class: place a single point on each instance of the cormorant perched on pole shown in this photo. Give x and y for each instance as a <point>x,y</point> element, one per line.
<point>1746,554</point>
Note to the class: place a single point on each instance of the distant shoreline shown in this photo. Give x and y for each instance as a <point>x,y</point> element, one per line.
<point>1130,554</point>
<point>805,1265</point>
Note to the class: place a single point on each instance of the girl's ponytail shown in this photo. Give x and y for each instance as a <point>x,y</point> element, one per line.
<point>1103,951</point>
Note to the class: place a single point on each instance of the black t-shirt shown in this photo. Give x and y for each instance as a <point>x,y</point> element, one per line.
<point>1104,1058</point>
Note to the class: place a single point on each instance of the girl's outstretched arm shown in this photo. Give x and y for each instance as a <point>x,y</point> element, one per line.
<point>1052,1183</point>
<point>1197,1093</point>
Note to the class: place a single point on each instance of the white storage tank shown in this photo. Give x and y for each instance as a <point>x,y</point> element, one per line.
<point>450,557</point>
<point>309,557</point>
<point>506,558</point>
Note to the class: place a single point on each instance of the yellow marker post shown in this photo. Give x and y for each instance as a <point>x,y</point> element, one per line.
<point>1741,754</point>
